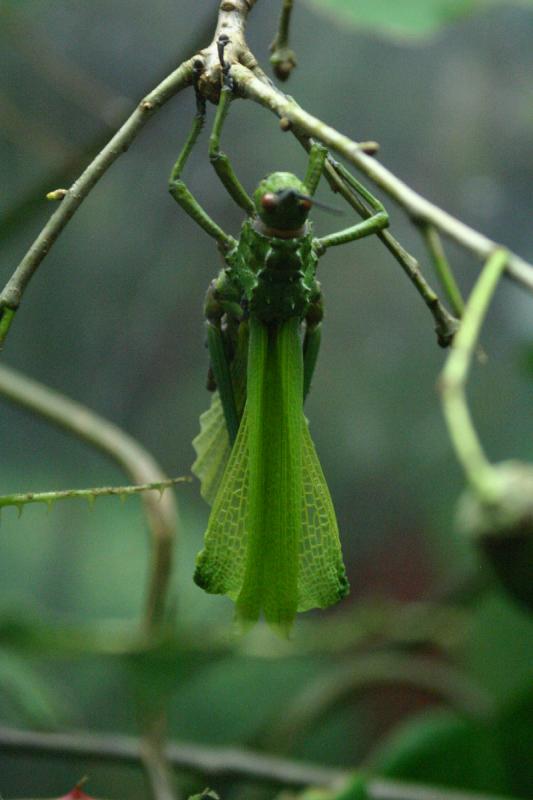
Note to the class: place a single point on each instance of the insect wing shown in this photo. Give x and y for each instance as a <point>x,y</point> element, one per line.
<point>212,447</point>
<point>220,565</point>
<point>322,577</point>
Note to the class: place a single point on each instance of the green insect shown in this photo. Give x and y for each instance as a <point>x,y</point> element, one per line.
<point>272,541</point>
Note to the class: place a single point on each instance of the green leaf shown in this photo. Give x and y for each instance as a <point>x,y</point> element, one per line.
<point>404,18</point>
<point>445,750</point>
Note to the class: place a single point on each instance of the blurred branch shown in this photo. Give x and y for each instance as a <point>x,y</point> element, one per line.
<point>230,763</point>
<point>63,74</point>
<point>361,673</point>
<point>136,462</point>
<point>33,199</point>
<point>208,761</point>
<point>417,207</point>
<point>11,295</point>
<point>368,624</point>
<point>156,764</point>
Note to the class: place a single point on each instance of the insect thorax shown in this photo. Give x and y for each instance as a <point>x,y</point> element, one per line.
<point>277,275</point>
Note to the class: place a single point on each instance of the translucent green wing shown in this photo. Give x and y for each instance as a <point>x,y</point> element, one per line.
<point>212,448</point>
<point>220,565</point>
<point>322,577</point>
<point>272,542</point>
<point>212,445</point>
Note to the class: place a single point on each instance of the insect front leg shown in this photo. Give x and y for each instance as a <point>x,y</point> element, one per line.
<point>313,335</point>
<point>182,194</point>
<point>222,303</point>
<point>377,222</point>
<point>315,166</point>
<point>220,160</point>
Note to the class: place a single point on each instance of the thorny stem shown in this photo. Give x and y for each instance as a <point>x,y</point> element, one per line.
<point>417,207</point>
<point>136,462</point>
<point>443,269</point>
<point>161,514</point>
<point>283,58</point>
<point>20,500</point>
<point>454,375</point>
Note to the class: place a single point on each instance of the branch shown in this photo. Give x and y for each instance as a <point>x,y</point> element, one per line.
<point>453,379</point>
<point>20,500</point>
<point>11,295</point>
<point>156,764</point>
<point>227,763</point>
<point>232,18</point>
<point>416,206</point>
<point>136,462</point>
<point>283,58</point>
<point>345,682</point>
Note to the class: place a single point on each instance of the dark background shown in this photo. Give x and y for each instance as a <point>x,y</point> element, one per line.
<point>113,318</point>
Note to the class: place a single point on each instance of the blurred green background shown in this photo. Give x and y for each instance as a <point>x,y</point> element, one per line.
<point>113,318</point>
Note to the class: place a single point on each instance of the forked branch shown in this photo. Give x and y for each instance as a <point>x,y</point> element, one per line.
<point>252,83</point>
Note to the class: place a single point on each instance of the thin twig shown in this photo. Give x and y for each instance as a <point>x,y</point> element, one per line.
<point>136,462</point>
<point>283,58</point>
<point>453,379</point>
<point>417,207</point>
<point>20,500</point>
<point>220,762</point>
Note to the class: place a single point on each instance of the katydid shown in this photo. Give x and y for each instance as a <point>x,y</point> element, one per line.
<point>272,541</point>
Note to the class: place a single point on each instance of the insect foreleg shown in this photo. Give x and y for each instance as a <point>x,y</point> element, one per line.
<point>315,166</point>
<point>313,334</point>
<point>182,194</point>
<point>377,222</point>
<point>216,306</point>
<point>220,160</point>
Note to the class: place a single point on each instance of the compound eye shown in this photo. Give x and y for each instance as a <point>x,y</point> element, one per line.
<point>305,203</point>
<point>269,201</point>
